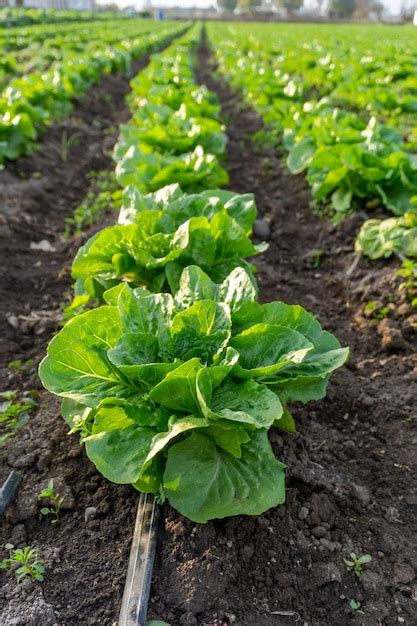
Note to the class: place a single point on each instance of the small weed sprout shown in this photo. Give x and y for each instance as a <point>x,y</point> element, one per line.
<point>55,499</point>
<point>19,364</point>
<point>355,563</point>
<point>355,608</point>
<point>103,196</point>
<point>378,313</point>
<point>23,562</point>
<point>316,257</point>
<point>408,271</point>
<point>14,412</point>
<point>68,142</point>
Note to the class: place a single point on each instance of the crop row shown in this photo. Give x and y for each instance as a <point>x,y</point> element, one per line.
<point>34,49</point>
<point>31,101</point>
<point>174,379</point>
<point>343,118</point>
<point>24,17</point>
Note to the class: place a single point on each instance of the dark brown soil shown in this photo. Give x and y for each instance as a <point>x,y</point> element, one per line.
<point>351,468</point>
<point>85,558</point>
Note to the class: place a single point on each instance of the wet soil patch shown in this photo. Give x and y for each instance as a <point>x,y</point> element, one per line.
<point>86,554</point>
<point>351,467</point>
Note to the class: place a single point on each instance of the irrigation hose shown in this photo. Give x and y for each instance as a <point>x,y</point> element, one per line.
<point>8,490</point>
<point>135,599</point>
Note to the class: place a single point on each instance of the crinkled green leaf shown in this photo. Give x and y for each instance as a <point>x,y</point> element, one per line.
<point>265,349</point>
<point>203,481</point>
<point>77,365</point>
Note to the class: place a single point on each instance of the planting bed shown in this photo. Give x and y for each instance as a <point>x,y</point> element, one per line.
<point>350,468</point>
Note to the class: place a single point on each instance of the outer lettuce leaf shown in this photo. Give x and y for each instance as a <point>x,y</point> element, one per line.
<point>119,454</point>
<point>77,365</point>
<point>203,482</point>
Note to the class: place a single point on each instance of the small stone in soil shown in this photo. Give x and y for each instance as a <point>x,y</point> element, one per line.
<point>372,583</point>
<point>262,229</point>
<point>18,535</point>
<point>367,400</point>
<point>361,493</point>
<point>403,573</point>
<point>75,452</point>
<point>23,508</point>
<point>325,573</point>
<point>319,532</point>
<point>388,544</point>
<point>303,513</point>
<point>391,336</point>
<point>24,461</point>
<point>392,514</point>
<point>90,513</point>
<point>329,545</point>
<point>247,552</point>
<point>189,620</point>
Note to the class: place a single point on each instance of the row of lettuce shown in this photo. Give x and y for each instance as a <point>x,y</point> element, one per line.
<point>28,50</point>
<point>31,101</point>
<point>176,373</point>
<point>17,17</point>
<point>342,103</point>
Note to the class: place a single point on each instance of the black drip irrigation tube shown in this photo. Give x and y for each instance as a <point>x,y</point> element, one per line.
<point>8,490</point>
<point>135,599</point>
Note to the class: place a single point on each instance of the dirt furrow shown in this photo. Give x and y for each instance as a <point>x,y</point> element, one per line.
<point>350,467</point>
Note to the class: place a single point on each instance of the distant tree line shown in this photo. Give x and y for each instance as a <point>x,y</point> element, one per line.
<point>336,8</point>
<point>230,5</point>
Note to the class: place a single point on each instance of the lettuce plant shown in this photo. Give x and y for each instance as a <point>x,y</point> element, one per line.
<point>175,394</point>
<point>159,234</point>
<point>173,132</point>
<point>198,99</point>
<point>381,238</point>
<point>149,170</point>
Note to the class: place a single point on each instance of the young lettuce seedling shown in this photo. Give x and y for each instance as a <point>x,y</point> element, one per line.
<point>23,562</point>
<point>14,412</point>
<point>355,563</point>
<point>55,499</point>
<point>355,608</point>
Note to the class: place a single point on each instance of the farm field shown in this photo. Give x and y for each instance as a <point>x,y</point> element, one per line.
<point>189,181</point>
